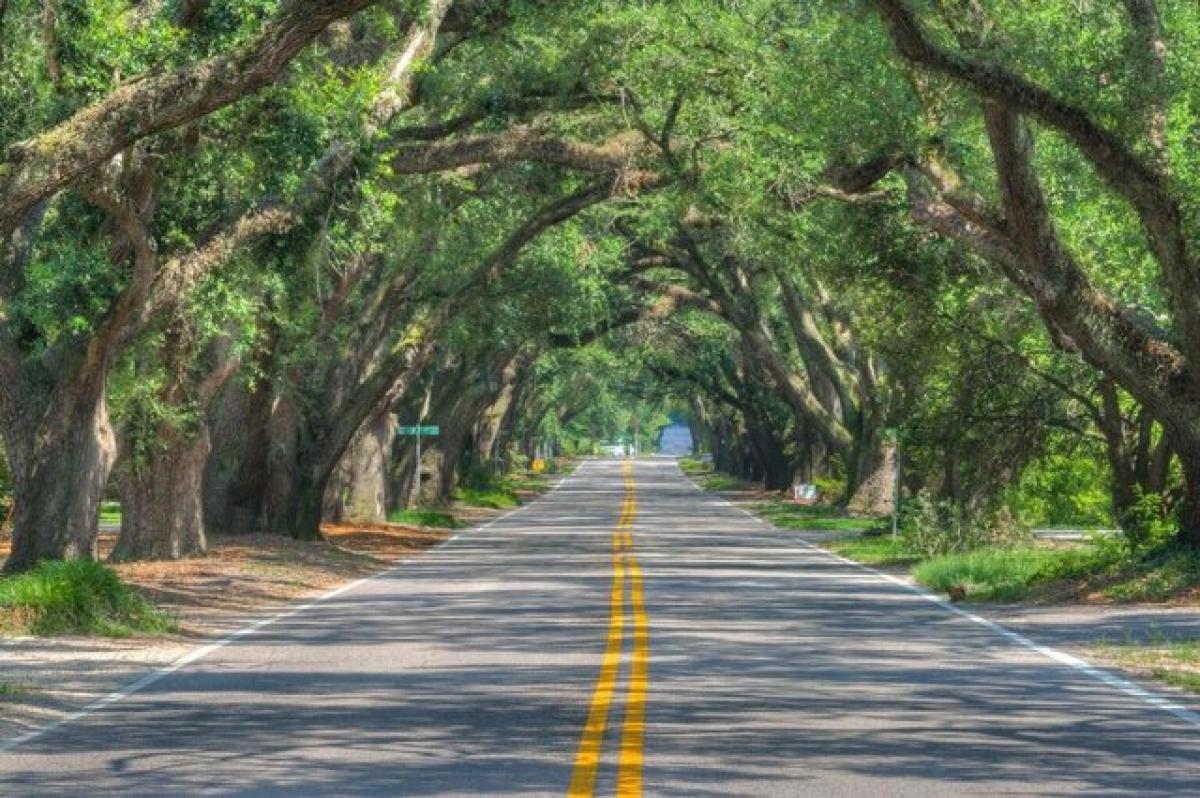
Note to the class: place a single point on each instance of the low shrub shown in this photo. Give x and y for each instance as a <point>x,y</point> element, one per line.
<point>424,517</point>
<point>76,597</point>
<point>496,498</point>
<point>719,482</point>
<point>985,574</point>
<point>1006,574</point>
<point>482,477</point>
<point>1149,523</point>
<point>1157,575</point>
<point>932,528</point>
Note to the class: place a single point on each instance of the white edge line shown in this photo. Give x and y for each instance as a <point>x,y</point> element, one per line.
<point>157,674</point>
<point>1126,686</point>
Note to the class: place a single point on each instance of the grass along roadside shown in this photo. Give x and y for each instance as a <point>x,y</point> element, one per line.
<point>73,598</point>
<point>1173,662</point>
<point>425,517</point>
<point>1041,572</point>
<point>196,596</point>
<point>1004,574</point>
<point>499,493</point>
<point>874,550</point>
<point>713,480</point>
<point>773,507</point>
<point>820,517</point>
<point>1095,570</point>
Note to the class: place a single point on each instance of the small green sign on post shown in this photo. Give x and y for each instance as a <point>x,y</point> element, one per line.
<point>426,431</point>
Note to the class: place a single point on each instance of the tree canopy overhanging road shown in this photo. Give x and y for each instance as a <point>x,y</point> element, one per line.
<point>270,265</point>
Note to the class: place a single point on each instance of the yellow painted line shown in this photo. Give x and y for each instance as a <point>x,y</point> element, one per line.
<point>587,757</point>
<point>629,764</point>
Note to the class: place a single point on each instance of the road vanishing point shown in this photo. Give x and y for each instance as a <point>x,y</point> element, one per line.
<point>625,635</point>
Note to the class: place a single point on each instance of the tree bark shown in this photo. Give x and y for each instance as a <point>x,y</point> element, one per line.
<point>235,477</point>
<point>61,463</point>
<point>162,511</point>
<point>365,488</point>
<point>872,477</point>
<point>1189,510</point>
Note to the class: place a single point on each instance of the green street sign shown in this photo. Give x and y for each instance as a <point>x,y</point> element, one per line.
<point>426,431</point>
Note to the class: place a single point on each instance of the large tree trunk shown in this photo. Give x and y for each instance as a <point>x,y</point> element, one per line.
<point>768,452</point>
<point>1189,510</point>
<point>235,477</point>
<point>162,511</point>
<point>295,497</point>
<point>60,468</point>
<point>455,441</point>
<point>872,477</point>
<point>297,476</point>
<point>364,494</point>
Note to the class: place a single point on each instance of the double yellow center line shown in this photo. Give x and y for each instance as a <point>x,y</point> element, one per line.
<point>629,757</point>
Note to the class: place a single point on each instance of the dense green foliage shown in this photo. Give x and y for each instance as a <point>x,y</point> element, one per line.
<point>547,227</point>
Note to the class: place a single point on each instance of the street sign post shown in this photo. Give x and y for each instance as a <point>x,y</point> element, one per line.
<point>891,436</point>
<point>418,430</point>
<point>429,430</point>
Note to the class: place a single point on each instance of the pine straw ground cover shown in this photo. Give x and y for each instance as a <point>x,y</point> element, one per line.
<point>239,575</point>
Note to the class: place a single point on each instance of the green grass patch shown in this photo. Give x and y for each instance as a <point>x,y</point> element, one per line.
<point>76,597</point>
<point>11,689</point>
<point>694,466</point>
<point>1006,574</point>
<point>786,515</point>
<point>720,482</point>
<point>500,498</point>
<point>874,550</point>
<point>1173,662</point>
<point>110,513</point>
<point>1185,680</point>
<point>424,517</point>
<point>528,480</point>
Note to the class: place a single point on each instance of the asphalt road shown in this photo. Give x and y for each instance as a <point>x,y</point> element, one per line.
<point>624,634</point>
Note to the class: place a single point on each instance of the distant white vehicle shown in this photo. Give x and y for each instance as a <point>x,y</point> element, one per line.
<point>614,449</point>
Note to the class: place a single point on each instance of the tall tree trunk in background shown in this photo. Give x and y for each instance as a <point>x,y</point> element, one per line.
<point>237,472</point>
<point>297,473</point>
<point>61,458</point>
<point>1123,487</point>
<point>162,510</point>
<point>365,465</point>
<point>161,472</point>
<point>454,437</point>
<point>873,476</point>
<point>1189,510</point>
<point>500,411</point>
